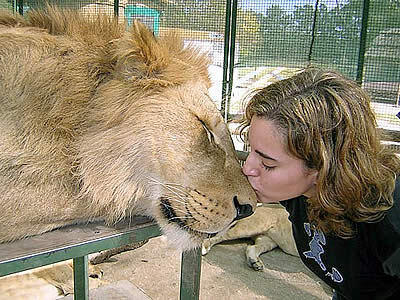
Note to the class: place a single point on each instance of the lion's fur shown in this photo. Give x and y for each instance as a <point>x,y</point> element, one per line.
<point>269,228</point>
<point>100,122</point>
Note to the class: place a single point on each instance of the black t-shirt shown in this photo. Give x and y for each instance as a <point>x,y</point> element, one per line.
<point>366,266</point>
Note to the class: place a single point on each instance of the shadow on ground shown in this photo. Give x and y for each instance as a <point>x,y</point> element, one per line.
<point>155,269</point>
<point>284,276</point>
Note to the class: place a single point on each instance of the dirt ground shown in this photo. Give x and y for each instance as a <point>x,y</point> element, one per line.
<point>155,270</point>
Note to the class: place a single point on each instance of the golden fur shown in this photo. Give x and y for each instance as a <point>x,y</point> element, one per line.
<point>97,122</point>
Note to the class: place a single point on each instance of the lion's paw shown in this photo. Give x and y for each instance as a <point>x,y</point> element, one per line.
<point>253,259</point>
<point>257,265</point>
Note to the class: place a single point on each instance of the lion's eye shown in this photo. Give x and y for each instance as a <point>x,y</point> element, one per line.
<point>210,135</point>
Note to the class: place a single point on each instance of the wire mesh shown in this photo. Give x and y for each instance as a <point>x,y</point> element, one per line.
<point>359,38</point>
<point>273,39</point>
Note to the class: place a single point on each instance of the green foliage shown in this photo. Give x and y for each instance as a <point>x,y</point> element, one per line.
<point>205,15</point>
<point>6,4</point>
<point>288,37</point>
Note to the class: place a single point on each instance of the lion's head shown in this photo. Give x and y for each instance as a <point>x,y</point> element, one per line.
<point>132,125</point>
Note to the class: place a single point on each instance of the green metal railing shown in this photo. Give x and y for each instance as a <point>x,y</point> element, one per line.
<point>363,42</point>
<point>77,242</point>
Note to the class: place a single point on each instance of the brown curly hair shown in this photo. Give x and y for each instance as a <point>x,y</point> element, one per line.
<point>327,122</point>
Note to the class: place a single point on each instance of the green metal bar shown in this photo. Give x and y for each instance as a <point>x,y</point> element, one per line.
<point>81,278</point>
<point>77,250</point>
<point>363,42</point>
<point>21,7</point>
<point>313,32</point>
<point>231,58</point>
<point>116,8</point>
<point>226,55</point>
<point>190,274</point>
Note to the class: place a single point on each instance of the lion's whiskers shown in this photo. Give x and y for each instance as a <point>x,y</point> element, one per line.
<point>178,194</point>
<point>174,208</point>
<point>173,187</point>
<point>176,189</point>
<point>182,218</point>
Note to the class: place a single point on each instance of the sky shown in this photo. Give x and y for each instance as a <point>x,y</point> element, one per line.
<point>261,5</point>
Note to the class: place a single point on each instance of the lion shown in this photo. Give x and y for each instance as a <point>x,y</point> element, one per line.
<point>98,122</point>
<point>269,227</point>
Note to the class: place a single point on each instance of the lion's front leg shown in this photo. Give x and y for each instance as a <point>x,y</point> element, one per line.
<point>262,244</point>
<point>208,243</point>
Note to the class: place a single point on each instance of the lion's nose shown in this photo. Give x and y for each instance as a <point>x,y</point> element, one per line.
<point>242,210</point>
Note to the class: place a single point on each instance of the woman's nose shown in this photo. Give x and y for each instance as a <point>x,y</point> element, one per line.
<point>249,169</point>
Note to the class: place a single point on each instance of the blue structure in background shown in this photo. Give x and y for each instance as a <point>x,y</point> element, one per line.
<point>148,16</point>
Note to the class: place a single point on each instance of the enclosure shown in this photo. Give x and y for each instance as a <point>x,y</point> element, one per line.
<point>254,42</point>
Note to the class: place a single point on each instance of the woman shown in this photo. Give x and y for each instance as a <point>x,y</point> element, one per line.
<point>316,150</point>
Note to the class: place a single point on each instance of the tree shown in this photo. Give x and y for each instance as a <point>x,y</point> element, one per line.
<point>205,15</point>
<point>248,32</point>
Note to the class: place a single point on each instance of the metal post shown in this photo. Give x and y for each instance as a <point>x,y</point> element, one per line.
<point>313,32</point>
<point>20,7</point>
<point>226,54</point>
<point>81,278</point>
<point>231,59</point>
<point>116,8</point>
<point>190,274</point>
<point>363,42</point>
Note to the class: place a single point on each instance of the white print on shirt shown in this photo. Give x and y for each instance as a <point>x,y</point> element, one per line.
<point>316,250</point>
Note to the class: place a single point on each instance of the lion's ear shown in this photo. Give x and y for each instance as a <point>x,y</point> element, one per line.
<point>145,40</point>
<point>139,54</point>
<point>141,30</point>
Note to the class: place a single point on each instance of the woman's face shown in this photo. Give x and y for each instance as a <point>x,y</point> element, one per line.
<point>273,173</point>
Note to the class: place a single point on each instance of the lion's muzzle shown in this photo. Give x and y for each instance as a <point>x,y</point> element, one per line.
<point>200,215</point>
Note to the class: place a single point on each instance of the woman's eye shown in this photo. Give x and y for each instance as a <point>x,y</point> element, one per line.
<point>268,168</point>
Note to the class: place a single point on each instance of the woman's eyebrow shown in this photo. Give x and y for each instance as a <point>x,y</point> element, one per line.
<point>264,155</point>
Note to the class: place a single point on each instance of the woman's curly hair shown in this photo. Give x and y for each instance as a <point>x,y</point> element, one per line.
<point>326,121</point>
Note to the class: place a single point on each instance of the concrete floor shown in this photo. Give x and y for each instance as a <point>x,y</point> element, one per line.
<point>155,270</point>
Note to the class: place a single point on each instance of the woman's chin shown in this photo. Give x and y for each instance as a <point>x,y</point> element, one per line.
<point>264,199</point>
